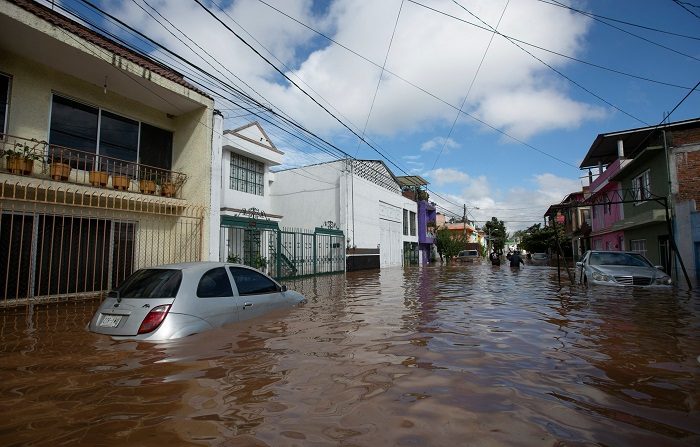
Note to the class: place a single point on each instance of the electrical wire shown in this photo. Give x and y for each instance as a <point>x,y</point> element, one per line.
<point>471,84</point>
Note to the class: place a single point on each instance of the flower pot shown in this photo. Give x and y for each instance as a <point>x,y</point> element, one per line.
<point>120,182</point>
<point>20,165</point>
<point>98,178</point>
<point>168,189</point>
<point>147,186</point>
<point>60,171</point>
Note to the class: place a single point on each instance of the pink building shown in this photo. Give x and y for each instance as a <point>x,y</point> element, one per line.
<point>604,234</point>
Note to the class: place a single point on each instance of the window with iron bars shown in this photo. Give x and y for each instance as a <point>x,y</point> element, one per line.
<point>412,219</point>
<point>247,175</point>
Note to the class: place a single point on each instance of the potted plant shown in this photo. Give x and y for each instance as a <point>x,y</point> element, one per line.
<point>120,181</point>
<point>99,178</point>
<point>59,169</point>
<point>233,259</point>
<point>171,185</point>
<point>21,157</point>
<point>147,183</point>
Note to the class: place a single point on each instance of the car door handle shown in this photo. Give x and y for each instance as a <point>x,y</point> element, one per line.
<point>246,304</point>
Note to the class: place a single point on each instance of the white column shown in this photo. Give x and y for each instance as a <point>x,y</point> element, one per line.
<point>215,204</point>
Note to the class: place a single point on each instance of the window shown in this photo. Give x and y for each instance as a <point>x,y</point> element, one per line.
<point>641,186</point>
<point>246,175</point>
<point>639,246</point>
<point>405,222</point>
<point>250,282</point>
<point>586,217</point>
<point>152,283</point>
<point>75,126</point>
<point>412,220</point>
<point>214,283</point>
<point>4,102</point>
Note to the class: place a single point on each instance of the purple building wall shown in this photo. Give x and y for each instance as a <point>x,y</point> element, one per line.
<point>426,213</point>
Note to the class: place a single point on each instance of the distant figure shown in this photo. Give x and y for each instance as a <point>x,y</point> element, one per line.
<point>495,258</point>
<point>509,255</point>
<point>529,255</point>
<point>516,260</point>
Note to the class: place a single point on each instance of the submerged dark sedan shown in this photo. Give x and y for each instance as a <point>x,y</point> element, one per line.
<point>619,268</point>
<point>173,301</point>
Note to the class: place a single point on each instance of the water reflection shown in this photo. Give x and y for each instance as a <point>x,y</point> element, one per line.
<point>420,356</point>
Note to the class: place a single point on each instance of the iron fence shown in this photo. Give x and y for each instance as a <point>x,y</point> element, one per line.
<point>67,243</point>
<point>284,252</point>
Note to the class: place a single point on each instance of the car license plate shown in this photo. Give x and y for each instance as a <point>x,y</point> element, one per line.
<point>110,320</point>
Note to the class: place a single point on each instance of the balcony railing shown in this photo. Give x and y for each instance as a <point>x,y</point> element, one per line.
<point>23,156</point>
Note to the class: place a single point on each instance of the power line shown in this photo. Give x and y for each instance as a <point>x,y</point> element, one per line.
<point>682,5</point>
<point>648,28</point>
<point>577,84</point>
<point>561,5</point>
<point>471,84</point>
<point>379,81</point>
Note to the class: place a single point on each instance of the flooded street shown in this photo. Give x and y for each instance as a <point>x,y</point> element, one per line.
<point>436,356</point>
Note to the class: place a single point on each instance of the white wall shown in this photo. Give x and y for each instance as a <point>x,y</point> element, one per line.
<point>369,215</point>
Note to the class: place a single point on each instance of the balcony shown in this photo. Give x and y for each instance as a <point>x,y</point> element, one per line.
<point>604,178</point>
<point>38,159</point>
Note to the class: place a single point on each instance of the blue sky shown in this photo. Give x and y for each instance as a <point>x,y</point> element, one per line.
<point>528,125</point>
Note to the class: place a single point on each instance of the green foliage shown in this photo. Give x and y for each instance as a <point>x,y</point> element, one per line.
<point>447,244</point>
<point>496,230</point>
<point>536,239</point>
<point>260,262</point>
<point>233,259</point>
<point>24,150</point>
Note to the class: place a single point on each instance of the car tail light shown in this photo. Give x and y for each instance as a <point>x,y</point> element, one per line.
<point>154,318</point>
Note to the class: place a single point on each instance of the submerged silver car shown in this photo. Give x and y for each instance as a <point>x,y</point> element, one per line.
<point>173,301</point>
<point>619,268</point>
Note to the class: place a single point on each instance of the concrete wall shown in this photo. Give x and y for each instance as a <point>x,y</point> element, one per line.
<point>369,215</point>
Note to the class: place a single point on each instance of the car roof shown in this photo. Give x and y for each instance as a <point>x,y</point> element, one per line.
<point>196,266</point>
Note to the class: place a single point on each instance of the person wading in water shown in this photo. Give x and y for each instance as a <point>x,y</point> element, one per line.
<point>516,260</point>
<point>495,258</point>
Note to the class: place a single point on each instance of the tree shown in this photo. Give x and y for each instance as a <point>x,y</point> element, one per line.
<point>536,239</point>
<point>496,232</point>
<point>448,245</point>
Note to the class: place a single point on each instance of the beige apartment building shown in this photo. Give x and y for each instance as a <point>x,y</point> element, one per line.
<point>106,162</point>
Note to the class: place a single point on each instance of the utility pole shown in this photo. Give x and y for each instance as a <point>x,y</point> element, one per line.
<point>464,219</point>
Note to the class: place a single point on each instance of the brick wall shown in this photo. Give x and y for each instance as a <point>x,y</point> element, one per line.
<point>688,168</point>
<point>684,137</point>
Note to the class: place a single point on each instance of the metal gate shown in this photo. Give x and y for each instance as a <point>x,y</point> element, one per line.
<point>281,252</point>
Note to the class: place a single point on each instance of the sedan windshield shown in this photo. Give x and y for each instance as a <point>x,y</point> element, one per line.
<point>630,259</point>
<point>151,283</point>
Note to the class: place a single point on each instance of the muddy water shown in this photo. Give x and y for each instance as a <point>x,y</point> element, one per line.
<point>439,356</point>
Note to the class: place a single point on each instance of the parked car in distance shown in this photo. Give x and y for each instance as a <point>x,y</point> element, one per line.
<point>177,300</point>
<point>470,256</point>
<point>619,268</point>
<point>539,258</point>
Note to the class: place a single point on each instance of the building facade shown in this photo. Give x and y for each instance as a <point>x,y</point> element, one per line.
<point>107,159</point>
<point>361,197</point>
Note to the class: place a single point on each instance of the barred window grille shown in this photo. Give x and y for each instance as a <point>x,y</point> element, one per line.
<point>247,175</point>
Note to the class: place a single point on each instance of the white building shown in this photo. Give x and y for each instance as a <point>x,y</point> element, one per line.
<point>361,197</point>
<point>247,155</point>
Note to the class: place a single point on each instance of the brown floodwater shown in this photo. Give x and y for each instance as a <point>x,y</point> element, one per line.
<point>436,356</point>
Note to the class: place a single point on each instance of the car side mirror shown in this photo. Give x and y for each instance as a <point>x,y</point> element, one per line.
<point>579,264</point>
<point>660,267</point>
<point>113,294</point>
<point>283,288</point>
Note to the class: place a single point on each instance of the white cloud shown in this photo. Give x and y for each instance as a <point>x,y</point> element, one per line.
<point>519,207</point>
<point>444,176</point>
<point>513,91</point>
<point>439,143</point>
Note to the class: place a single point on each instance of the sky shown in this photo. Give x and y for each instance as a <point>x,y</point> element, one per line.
<point>497,121</point>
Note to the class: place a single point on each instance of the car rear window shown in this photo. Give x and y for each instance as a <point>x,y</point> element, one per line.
<point>151,283</point>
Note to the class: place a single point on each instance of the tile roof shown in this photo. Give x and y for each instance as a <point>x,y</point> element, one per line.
<point>93,37</point>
